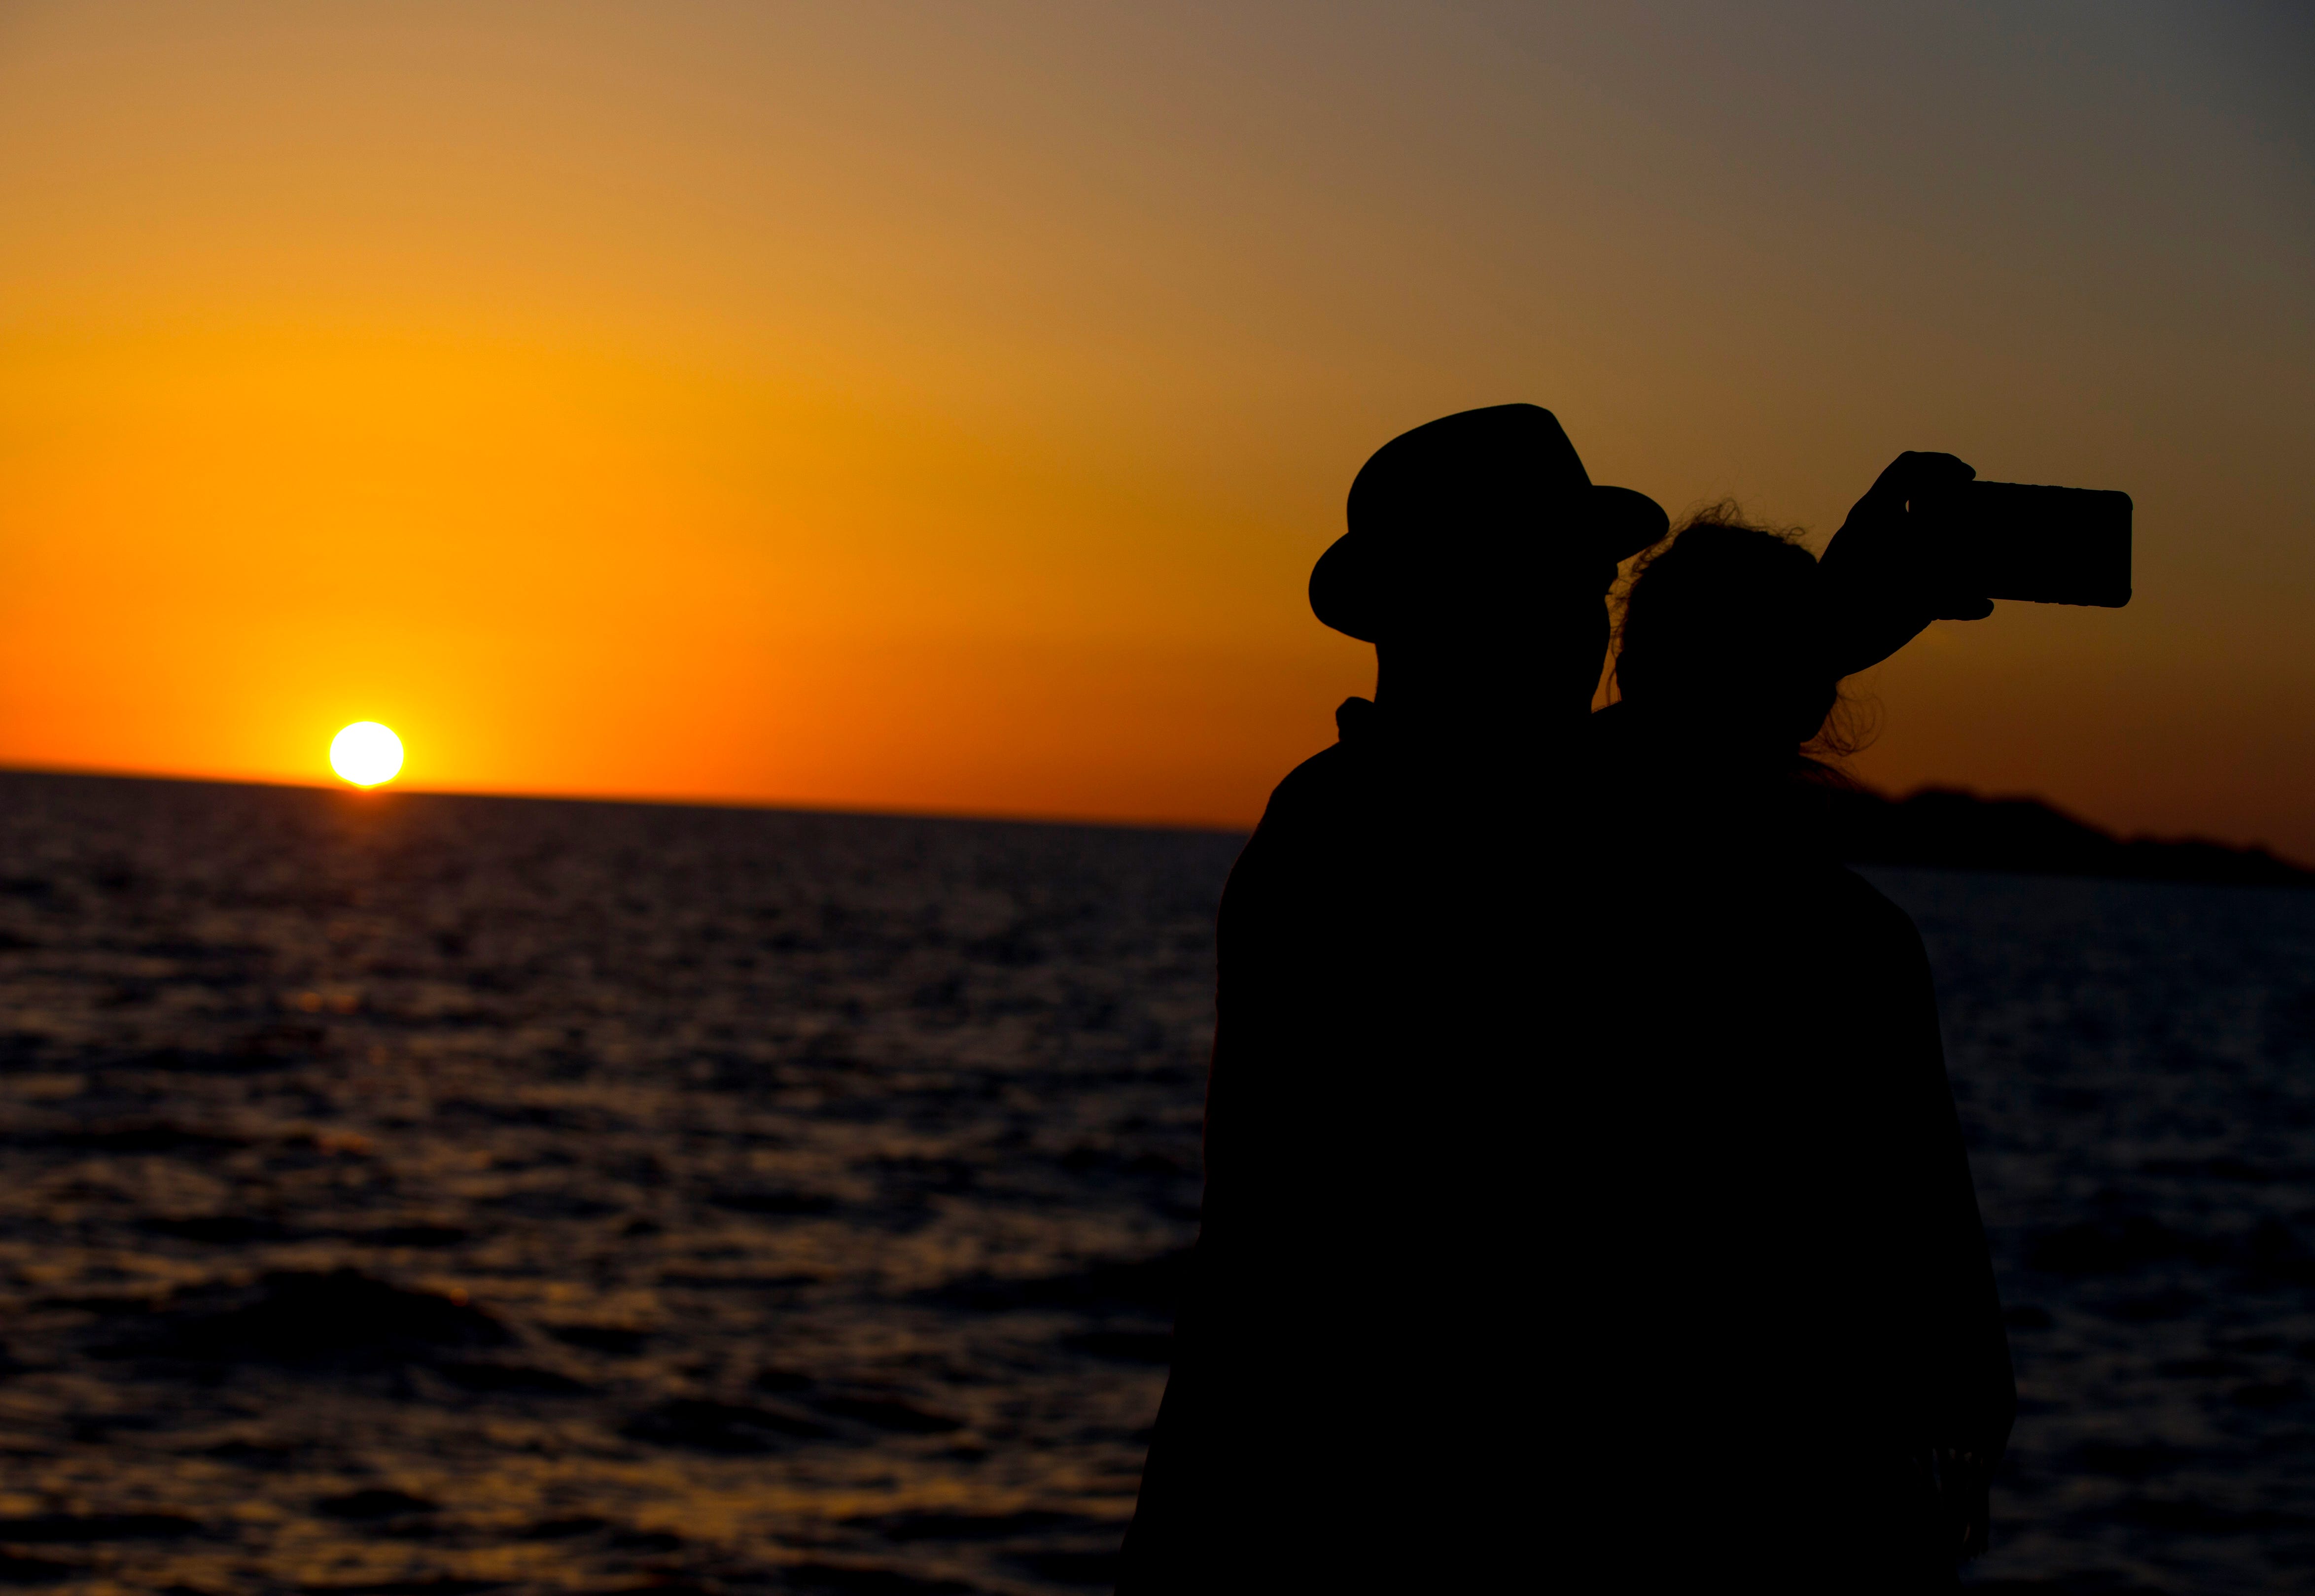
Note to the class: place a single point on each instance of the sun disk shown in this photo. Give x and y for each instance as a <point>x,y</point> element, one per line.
<point>365,754</point>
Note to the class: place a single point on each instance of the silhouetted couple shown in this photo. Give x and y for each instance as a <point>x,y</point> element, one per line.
<point>1585,1207</point>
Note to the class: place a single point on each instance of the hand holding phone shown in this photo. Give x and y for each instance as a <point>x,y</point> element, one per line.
<point>1929,542</point>
<point>1883,580</point>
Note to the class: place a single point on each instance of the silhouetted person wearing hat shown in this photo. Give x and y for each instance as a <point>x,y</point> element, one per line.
<point>1356,1351</point>
<point>1516,1255</point>
<point>1794,1359</point>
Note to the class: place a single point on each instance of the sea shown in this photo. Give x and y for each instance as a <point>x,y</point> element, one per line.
<point>409,1193</point>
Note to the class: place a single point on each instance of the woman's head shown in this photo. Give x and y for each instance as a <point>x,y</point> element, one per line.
<point>1720,633</point>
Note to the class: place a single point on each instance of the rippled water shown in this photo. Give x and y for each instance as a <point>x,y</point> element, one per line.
<point>586,1196</point>
<point>415,1193</point>
<point>2135,1064</point>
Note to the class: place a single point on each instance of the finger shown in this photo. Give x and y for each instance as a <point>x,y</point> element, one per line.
<point>1965,610</point>
<point>1920,470</point>
<point>1913,462</point>
<point>1893,477</point>
<point>1938,469</point>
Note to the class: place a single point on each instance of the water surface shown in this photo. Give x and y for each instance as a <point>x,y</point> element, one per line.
<point>422,1194</point>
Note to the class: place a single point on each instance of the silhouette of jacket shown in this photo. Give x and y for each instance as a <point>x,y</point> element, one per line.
<point>1776,1295</point>
<point>1356,1346</point>
<point>1357,1351</point>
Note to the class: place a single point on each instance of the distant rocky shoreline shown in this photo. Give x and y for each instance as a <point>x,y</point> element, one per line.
<point>1947,828</point>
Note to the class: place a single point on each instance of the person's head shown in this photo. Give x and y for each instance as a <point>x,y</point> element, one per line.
<point>1721,637</point>
<point>1478,559</point>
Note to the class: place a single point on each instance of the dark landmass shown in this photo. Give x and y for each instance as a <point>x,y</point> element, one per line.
<point>1957,830</point>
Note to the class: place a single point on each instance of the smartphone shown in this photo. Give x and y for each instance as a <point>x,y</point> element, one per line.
<point>2043,546</point>
<point>2013,540</point>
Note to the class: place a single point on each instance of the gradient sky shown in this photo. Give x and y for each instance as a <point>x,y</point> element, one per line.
<point>940,407</point>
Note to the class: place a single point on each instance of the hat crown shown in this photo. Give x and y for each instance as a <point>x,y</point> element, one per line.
<point>1470,513</point>
<point>1478,468</point>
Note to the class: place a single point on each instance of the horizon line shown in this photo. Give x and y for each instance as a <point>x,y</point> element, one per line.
<point>1006,816</point>
<point>392,788</point>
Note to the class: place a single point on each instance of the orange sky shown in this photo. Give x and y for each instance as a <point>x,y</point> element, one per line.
<point>940,408</point>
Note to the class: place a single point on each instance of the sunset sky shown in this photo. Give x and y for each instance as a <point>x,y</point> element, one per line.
<point>940,407</point>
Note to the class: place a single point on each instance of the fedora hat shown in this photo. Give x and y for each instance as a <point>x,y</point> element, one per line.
<point>1462,505</point>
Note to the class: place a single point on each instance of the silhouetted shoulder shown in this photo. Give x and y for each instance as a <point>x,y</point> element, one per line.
<point>1875,914</point>
<point>1329,788</point>
<point>1316,784</point>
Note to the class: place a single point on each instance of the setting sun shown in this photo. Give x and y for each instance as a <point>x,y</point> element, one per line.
<point>366,753</point>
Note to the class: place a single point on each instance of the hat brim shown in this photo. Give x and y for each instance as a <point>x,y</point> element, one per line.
<point>1627,521</point>
<point>1350,593</point>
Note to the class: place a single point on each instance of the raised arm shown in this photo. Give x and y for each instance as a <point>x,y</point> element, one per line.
<point>1884,577</point>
